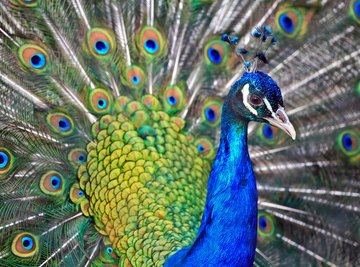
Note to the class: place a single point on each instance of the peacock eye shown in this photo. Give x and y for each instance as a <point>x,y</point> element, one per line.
<point>255,100</point>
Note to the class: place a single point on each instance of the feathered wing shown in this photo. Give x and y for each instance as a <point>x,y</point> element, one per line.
<point>66,64</point>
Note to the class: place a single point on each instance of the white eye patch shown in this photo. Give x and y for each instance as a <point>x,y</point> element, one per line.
<point>245,94</point>
<point>268,105</point>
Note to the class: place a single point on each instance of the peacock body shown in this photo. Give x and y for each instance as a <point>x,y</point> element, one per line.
<point>110,141</point>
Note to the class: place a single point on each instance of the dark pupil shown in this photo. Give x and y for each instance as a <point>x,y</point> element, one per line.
<point>150,44</point>
<point>54,182</point>
<point>215,54</point>
<point>211,114</point>
<point>2,160</point>
<point>36,60</point>
<point>62,124</point>
<point>26,243</point>
<point>81,158</point>
<point>288,23</point>
<point>262,223</point>
<point>100,45</point>
<point>172,99</point>
<point>101,102</point>
<point>255,100</point>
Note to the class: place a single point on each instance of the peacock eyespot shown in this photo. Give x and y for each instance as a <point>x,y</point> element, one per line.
<point>102,47</point>
<point>286,23</point>
<point>99,101</point>
<point>214,55</point>
<point>262,223</point>
<point>205,147</point>
<point>102,103</point>
<point>109,250</point>
<point>4,160</point>
<point>27,243</point>
<point>76,194</point>
<point>151,46</point>
<point>200,148</point>
<point>33,57</point>
<point>60,123</point>
<point>135,80</point>
<point>101,42</point>
<point>347,142</point>
<point>210,114</point>
<point>51,183</point>
<point>38,61</point>
<point>268,131</point>
<point>64,124</point>
<point>151,42</point>
<point>55,182</point>
<point>24,245</point>
<point>82,158</point>
<point>266,226</point>
<point>255,100</point>
<point>172,100</point>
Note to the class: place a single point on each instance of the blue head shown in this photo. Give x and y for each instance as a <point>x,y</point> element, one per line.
<point>257,97</point>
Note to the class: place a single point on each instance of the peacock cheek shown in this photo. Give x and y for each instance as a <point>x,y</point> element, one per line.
<point>144,179</point>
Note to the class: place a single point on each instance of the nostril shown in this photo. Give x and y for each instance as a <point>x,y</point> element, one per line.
<point>281,115</point>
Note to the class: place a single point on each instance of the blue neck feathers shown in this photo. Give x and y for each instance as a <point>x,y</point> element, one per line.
<point>227,235</point>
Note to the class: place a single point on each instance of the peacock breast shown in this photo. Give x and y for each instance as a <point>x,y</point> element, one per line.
<point>144,183</point>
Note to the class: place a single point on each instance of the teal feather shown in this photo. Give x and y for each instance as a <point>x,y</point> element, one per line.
<point>308,189</point>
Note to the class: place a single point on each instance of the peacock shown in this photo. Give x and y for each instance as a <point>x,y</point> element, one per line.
<point>179,133</point>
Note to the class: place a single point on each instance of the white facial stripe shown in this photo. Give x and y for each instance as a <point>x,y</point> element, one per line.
<point>268,106</point>
<point>245,93</point>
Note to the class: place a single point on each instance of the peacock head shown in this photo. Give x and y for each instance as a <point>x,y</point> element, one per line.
<point>257,97</point>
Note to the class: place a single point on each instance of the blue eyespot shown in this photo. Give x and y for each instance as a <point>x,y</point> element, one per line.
<point>286,23</point>
<point>268,132</point>
<point>27,243</point>
<point>210,114</point>
<point>357,8</point>
<point>82,158</point>
<point>347,142</point>
<point>151,46</point>
<point>38,61</point>
<point>102,47</point>
<point>64,124</point>
<point>102,103</point>
<point>200,148</point>
<point>4,160</point>
<point>262,223</point>
<point>135,80</point>
<point>55,182</point>
<point>214,55</point>
<point>109,250</point>
<point>80,193</point>
<point>172,100</point>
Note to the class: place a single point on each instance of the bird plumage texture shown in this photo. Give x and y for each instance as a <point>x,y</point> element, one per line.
<point>110,115</point>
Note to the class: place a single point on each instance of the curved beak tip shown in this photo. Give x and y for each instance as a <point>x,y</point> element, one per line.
<point>281,121</point>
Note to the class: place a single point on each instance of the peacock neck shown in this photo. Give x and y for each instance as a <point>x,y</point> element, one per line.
<point>227,235</point>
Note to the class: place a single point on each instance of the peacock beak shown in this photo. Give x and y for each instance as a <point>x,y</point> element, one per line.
<point>280,119</point>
